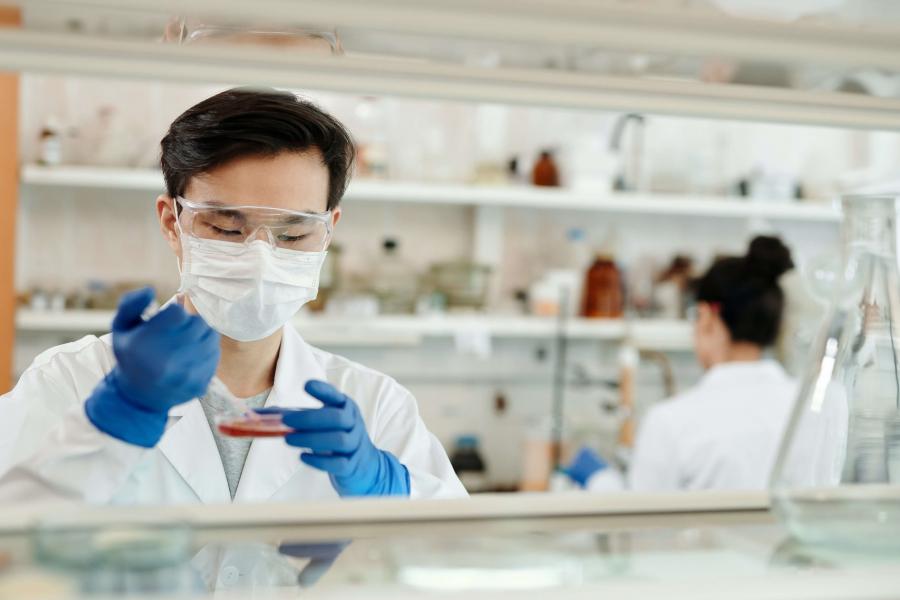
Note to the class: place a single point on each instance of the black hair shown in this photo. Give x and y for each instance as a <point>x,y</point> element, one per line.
<point>254,122</point>
<point>746,289</point>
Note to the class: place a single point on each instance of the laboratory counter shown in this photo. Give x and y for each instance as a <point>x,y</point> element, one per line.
<point>690,545</point>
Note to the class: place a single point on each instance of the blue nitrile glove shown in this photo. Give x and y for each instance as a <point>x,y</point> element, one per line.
<point>585,464</point>
<point>339,444</point>
<point>166,360</point>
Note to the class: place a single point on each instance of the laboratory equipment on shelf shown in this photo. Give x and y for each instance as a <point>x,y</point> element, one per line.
<point>189,30</point>
<point>671,292</point>
<point>370,131</point>
<point>331,279</point>
<point>554,294</point>
<point>631,174</point>
<point>463,284</point>
<point>394,280</point>
<point>50,144</point>
<point>560,290</point>
<point>603,296</point>
<point>469,465</point>
<point>837,477</point>
<point>545,172</point>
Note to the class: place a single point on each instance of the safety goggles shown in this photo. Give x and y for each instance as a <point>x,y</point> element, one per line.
<point>282,228</point>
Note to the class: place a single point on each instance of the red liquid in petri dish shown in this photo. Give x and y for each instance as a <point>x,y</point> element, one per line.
<point>248,431</point>
<point>252,429</point>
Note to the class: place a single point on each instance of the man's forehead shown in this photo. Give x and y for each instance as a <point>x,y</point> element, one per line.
<point>291,181</point>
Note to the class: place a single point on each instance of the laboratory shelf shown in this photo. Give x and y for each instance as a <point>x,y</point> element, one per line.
<point>77,321</point>
<point>76,176</point>
<point>470,195</point>
<point>564,199</point>
<point>657,334</point>
<point>418,55</point>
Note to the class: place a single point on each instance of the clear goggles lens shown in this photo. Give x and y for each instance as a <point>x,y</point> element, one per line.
<point>305,232</point>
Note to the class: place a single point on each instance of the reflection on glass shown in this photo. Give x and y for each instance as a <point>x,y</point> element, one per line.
<point>459,564</point>
<point>150,561</point>
<point>320,555</point>
<point>119,559</point>
<point>254,566</point>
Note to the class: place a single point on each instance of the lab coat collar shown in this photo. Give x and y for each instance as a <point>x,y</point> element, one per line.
<point>189,444</point>
<point>271,463</point>
<point>296,365</point>
<point>733,373</point>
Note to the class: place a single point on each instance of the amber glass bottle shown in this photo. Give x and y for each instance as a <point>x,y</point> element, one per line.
<point>603,297</point>
<point>545,172</point>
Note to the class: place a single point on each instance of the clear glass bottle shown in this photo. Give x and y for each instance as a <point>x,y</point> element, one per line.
<point>395,281</point>
<point>836,481</point>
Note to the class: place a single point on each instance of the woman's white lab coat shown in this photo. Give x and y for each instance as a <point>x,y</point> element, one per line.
<point>724,433</point>
<point>49,450</point>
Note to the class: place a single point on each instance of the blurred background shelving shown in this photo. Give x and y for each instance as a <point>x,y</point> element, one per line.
<point>363,190</point>
<point>680,129</point>
<point>657,334</point>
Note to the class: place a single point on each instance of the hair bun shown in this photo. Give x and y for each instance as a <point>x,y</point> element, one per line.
<point>768,257</point>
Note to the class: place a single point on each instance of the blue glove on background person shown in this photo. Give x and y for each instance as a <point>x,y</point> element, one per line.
<point>339,444</point>
<point>164,361</point>
<point>584,466</point>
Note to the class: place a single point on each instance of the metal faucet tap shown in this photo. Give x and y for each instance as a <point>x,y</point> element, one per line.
<point>630,175</point>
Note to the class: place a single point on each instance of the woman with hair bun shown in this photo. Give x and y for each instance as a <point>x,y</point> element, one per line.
<point>724,432</point>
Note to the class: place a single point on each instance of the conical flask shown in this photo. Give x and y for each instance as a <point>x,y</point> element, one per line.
<point>837,477</point>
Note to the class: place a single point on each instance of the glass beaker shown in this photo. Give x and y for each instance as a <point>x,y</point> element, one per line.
<point>837,477</point>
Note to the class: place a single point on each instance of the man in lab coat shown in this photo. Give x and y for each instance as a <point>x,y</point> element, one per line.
<point>254,180</point>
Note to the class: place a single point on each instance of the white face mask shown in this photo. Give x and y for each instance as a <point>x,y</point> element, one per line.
<point>247,291</point>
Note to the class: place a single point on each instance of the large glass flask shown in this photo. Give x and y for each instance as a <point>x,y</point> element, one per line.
<point>837,477</point>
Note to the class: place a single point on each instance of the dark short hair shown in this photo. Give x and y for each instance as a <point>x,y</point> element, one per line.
<point>244,122</point>
<point>751,302</point>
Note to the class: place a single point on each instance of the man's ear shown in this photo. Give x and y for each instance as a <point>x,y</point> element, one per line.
<point>166,213</point>
<point>335,218</point>
<point>706,316</point>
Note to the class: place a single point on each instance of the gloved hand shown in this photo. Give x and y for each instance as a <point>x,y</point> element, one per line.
<point>164,361</point>
<point>338,444</point>
<point>585,464</point>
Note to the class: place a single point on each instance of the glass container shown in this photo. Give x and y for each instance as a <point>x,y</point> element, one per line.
<point>602,296</point>
<point>837,477</point>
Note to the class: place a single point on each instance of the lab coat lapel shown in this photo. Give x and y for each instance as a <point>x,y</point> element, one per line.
<point>189,446</point>
<point>271,463</point>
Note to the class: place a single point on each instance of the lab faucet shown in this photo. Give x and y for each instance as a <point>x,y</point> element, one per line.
<point>629,178</point>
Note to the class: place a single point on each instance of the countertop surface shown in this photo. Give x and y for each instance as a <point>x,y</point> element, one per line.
<point>628,545</point>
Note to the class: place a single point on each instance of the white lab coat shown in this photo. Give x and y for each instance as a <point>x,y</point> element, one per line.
<point>49,450</point>
<point>722,434</point>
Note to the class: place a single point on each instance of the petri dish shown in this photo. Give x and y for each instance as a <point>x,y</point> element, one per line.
<point>261,423</point>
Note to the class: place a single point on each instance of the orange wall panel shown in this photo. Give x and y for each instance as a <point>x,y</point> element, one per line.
<point>9,201</point>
